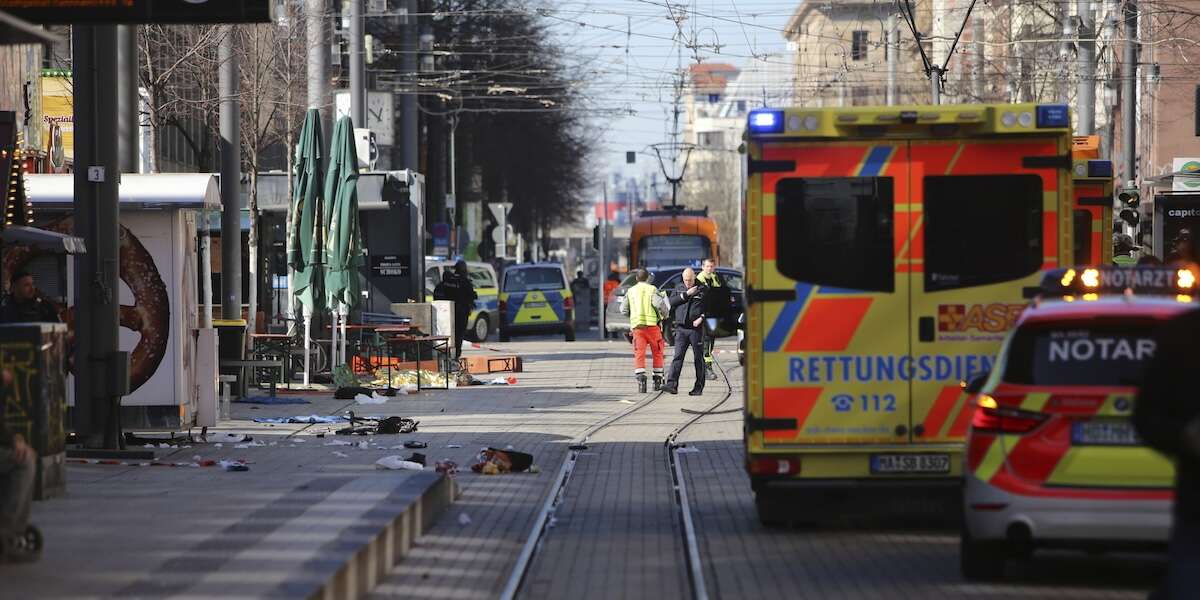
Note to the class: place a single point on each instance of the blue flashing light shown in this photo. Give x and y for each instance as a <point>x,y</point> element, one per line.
<point>1100,168</point>
<point>1053,115</point>
<point>766,121</point>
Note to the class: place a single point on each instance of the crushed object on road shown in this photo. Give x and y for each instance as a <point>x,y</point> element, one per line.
<point>446,467</point>
<point>491,461</point>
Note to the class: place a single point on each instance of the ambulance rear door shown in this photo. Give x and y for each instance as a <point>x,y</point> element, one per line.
<point>985,223</point>
<point>829,319</point>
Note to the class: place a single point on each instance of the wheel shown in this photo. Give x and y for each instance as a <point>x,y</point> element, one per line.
<point>981,560</point>
<point>481,329</point>
<point>770,510</point>
<point>504,337</point>
<point>569,334</point>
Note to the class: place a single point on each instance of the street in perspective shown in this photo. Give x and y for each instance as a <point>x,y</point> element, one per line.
<point>654,299</point>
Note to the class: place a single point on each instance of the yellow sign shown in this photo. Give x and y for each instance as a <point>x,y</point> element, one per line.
<point>57,109</point>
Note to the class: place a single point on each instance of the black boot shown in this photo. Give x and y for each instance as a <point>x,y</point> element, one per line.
<point>697,390</point>
<point>658,382</point>
<point>641,379</point>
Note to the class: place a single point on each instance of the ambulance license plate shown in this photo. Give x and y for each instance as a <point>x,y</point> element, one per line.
<point>886,464</point>
<point>1104,433</point>
<point>535,304</point>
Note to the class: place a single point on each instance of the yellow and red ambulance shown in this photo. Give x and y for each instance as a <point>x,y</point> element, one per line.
<point>887,249</point>
<point>1053,459</point>
<point>1092,211</point>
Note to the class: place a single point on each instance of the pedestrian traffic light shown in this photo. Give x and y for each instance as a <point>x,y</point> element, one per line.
<point>1130,216</point>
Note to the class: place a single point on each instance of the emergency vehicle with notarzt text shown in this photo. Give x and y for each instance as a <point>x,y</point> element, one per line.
<point>886,253</point>
<point>1053,459</point>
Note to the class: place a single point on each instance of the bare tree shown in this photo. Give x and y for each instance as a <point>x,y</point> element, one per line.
<point>175,72</point>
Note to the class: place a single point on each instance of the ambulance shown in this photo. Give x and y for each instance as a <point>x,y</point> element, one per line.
<point>887,253</point>
<point>1092,210</point>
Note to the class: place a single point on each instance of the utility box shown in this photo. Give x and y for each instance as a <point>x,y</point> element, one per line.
<point>35,402</point>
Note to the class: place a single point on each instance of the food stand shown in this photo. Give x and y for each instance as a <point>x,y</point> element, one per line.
<point>172,360</point>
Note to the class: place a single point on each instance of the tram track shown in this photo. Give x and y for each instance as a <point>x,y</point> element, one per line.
<point>534,543</point>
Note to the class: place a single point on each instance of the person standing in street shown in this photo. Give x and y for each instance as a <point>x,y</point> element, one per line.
<point>456,287</point>
<point>717,292</point>
<point>1167,417</point>
<point>581,290</point>
<point>24,304</point>
<point>645,309</point>
<point>687,312</point>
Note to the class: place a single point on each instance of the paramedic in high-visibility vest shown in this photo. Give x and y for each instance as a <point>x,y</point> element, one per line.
<point>645,309</point>
<point>709,277</point>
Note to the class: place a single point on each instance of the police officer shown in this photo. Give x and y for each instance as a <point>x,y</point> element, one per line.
<point>645,309</point>
<point>717,292</point>
<point>687,312</point>
<point>456,287</point>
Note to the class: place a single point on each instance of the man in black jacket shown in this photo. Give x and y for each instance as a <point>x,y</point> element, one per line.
<point>456,286</point>
<point>1167,416</point>
<point>687,313</point>
<point>16,484</point>
<point>24,304</point>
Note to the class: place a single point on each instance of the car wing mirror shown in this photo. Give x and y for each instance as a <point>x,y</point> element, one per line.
<point>976,383</point>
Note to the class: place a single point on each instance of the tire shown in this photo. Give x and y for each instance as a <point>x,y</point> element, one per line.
<point>770,510</point>
<point>504,337</point>
<point>979,560</point>
<point>480,329</point>
<point>569,334</point>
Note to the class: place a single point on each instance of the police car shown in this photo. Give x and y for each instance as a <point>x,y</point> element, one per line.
<point>1052,456</point>
<point>535,298</point>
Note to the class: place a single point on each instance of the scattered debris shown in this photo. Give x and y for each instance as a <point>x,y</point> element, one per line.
<point>686,450</point>
<point>418,458</point>
<point>339,443</point>
<point>454,445</point>
<point>447,467</point>
<point>233,437</point>
<point>234,465</point>
<point>340,454</point>
<point>491,461</point>
<point>464,519</point>
<point>510,380</point>
<point>396,463</point>
<point>415,444</point>
<point>374,398</point>
<point>362,445</point>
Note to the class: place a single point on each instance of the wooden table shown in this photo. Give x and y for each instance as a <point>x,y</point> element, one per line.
<point>440,344</point>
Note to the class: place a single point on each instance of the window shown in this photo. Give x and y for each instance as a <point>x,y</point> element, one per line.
<point>480,277</point>
<point>836,231</point>
<point>1103,353</point>
<point>534,279</point>
<point>860,96</point>
<point>1082,219</point>
<point>672,249</point>
<point>858,46</point>
<point>981,229</point>
<point>710,139</point>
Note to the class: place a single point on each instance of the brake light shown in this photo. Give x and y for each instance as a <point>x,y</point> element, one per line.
<point>775,466</point>
<point>991,417</point>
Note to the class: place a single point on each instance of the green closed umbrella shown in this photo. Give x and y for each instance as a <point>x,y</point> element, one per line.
<point>343,243</point>
<point>306,226</point>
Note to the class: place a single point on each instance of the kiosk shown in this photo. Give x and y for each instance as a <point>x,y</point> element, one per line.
<point>173,367</point>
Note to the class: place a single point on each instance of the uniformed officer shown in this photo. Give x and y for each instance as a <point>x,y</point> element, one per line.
<point>645,309</point>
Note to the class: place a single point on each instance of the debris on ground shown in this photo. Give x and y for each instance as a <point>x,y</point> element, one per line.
<point>374,398</point>
<point>415,444</point>
<point>396,463</point>
<point>454,445</point>
<point>510,380</point>
<point>446,467</point>
<point>491,461</point>
<point>418,458</point>
<point>340,454</point>
<point>234,465</point>
<point>464,519</point>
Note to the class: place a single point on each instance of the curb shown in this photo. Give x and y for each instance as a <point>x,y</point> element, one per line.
<point>371,563</point>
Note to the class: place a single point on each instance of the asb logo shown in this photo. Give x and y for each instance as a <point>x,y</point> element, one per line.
<point>990,318</point>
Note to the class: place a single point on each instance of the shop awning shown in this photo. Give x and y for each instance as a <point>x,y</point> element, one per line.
<point>147,192</point>
<point>48,241</point>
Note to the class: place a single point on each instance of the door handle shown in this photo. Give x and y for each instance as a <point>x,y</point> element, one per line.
<point>926,329</point>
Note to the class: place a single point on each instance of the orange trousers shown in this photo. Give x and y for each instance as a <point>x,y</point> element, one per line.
<point>647,336</point>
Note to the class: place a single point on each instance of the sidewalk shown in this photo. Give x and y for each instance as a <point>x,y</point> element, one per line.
<point>289,525</point>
